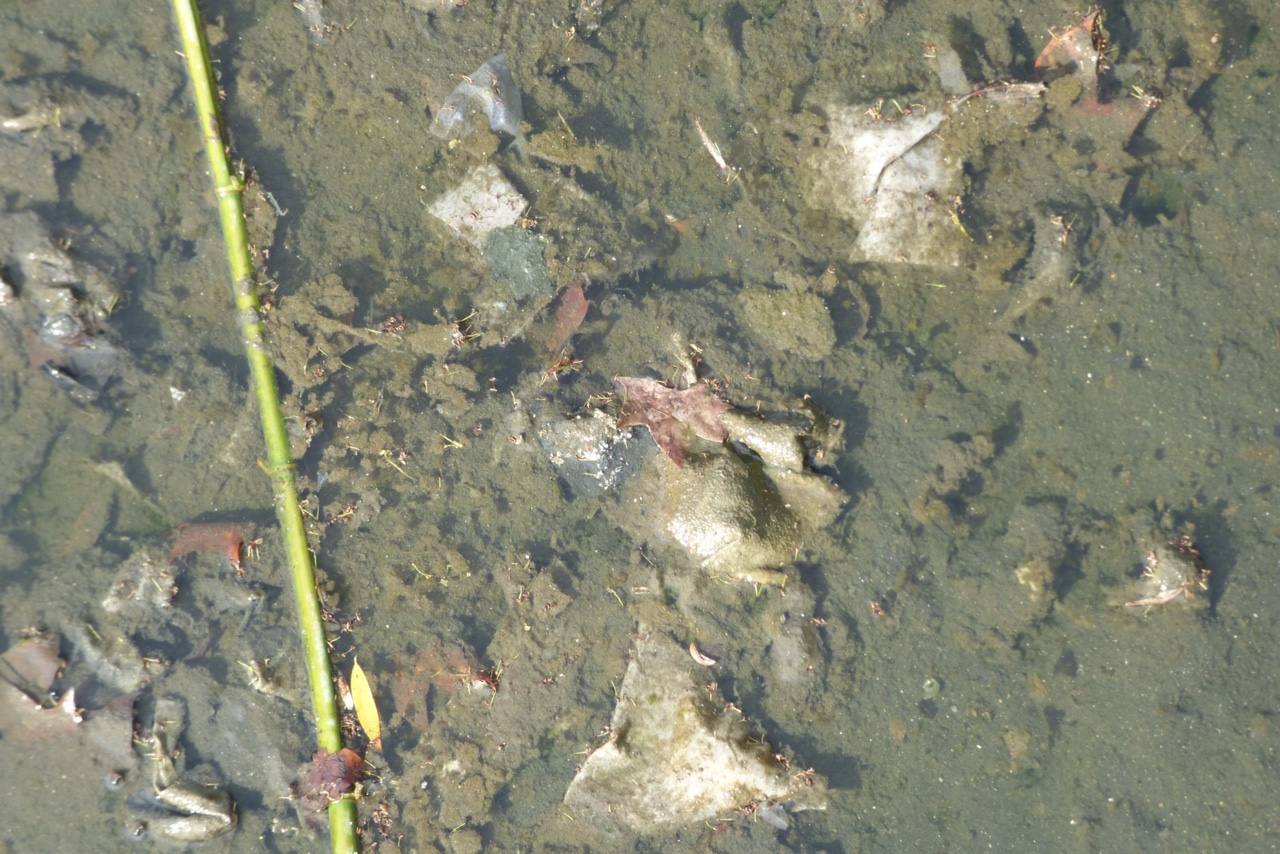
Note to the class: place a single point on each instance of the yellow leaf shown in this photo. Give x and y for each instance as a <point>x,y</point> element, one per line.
<point>366,708</point>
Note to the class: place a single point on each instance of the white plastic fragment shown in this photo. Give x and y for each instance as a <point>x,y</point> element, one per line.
<point>889,176</point>
<point>484,202</point>
<point>910,220</point>
<point>700,656</point>
<point>874,144</point>
<point>677,758</point>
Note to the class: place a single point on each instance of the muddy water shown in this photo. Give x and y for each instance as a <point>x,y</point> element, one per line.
<point>1019,429</point>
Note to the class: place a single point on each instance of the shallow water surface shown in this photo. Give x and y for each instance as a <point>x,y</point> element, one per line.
<point>1029,354</point>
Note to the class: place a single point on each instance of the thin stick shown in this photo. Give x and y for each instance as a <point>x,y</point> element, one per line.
<point>228,188</point>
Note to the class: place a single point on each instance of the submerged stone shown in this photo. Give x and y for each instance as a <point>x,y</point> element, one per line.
<point>517,257</point>
<point>590,454</point>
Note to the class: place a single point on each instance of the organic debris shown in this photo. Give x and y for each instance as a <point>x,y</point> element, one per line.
<point>1078,49</point>
<point>327,778</point>
<point>1173,571</point>
<point>366,708</point>
<point>570,310</point>
<point>669,412</point>
<point>227,538</point>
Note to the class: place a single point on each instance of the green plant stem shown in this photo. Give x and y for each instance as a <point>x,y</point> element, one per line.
<point>228,188</point>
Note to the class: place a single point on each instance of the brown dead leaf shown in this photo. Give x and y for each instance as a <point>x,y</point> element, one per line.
<point>570,310</point>
<point>668,413</point>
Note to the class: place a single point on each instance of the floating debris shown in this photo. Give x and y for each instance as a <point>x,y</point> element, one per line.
<point>489,91</point>
<point>678,757</point>
<point>1172,572</point>
<point>484,202</point>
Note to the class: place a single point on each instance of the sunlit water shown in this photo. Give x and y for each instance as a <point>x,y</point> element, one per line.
<point>1087,377</point>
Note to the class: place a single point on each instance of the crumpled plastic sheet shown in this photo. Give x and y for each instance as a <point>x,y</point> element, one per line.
<point>489,91</point>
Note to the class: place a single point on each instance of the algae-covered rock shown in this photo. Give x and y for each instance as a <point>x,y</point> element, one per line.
<point>729,516</point>
<point>518,258</point>
<point>677,757</point>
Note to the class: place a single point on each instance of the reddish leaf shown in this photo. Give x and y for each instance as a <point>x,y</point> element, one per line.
<point>570,311</point>
<point>327,777</point>
<point>225,537</point>
<point>669,413</point>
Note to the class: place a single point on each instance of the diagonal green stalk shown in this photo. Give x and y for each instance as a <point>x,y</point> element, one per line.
<point>228,188</point>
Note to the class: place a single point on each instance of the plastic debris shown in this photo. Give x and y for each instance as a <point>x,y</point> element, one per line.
<point>484,202</point>
<point>678,757</point>
<point>490,91</point>
<point>894,179</point>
